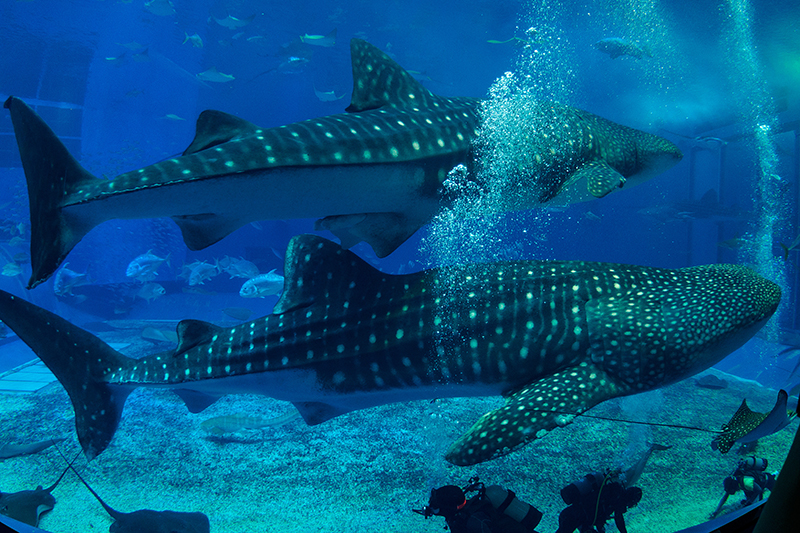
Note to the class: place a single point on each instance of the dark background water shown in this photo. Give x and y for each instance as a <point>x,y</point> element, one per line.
<point>109,74</point>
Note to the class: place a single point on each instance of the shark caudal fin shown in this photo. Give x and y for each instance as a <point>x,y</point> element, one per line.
<point>79,360</point>
<point>51,173</point>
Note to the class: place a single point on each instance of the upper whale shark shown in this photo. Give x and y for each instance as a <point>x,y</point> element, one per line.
<point>373,173</point>
<point>554,337</point>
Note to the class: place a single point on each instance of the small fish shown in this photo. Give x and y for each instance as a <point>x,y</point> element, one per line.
<point>21,228</point>
<point>116,60</point>
<point>215,76</point>
<point>736,243</point>
<point>145,267</point>
<point>170,116</point>
<point>162,8</point>
<point>327,96</point>
<point>233,23</point>
<point>320,40</point>
<point>195,39</point>
<point>262,285</point>
<point>238,268</point>
<point>201,271</point>
<point>151,291</point>
<point>221,425</point>
<point>616,47</point>
<point>16,241</point>
<point>239,313</point>
<point>66,280</point>
<point>11,270</point>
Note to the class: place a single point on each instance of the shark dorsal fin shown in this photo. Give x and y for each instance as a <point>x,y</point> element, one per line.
<point>315,266</point>
<point>215,127</point>
<point>194,332</point>
<point>379,81</point>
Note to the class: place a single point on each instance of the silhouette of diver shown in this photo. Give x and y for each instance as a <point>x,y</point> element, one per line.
<point>492,509</point>
<point>751,477</point>
<point>593,500</point>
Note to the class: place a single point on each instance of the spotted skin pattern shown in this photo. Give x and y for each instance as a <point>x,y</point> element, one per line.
<point>371,174</point>
<point>746,426</point>
<point>553,337</point>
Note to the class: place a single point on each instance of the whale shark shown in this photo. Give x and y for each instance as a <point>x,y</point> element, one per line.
<point>553,337</point>
<point>373,173</point>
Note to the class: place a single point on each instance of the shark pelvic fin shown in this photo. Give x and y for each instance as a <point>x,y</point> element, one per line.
<point>78,359</point>
<point>201,231</point>
<point>385,232</point>
<point>317,412</point>
<point>51,173</point>
<point>215,127</point>
<point>531,412</point>
<point>379,81</point>
<point>316,266</point>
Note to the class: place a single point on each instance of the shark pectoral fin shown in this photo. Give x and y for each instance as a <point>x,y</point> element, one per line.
<point>195,401</point>
<point>193,332</point>
<point>531,412</point>
<point>601,179</point>
<point>317,412</point>
<point>215,127</point>
<point>201,231</point>
<point>385,232</point>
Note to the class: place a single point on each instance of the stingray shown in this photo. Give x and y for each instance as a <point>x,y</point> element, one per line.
<point>28,506</point>
<point>748,426</point>
<point>148,521</point>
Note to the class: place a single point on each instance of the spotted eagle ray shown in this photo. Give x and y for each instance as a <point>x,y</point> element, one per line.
<point>371,174</point>
<point>746,425</point>
<point>554,337</point>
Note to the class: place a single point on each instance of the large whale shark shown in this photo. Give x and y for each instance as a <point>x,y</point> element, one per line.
<point>372,174</point>
<point>554,337</point>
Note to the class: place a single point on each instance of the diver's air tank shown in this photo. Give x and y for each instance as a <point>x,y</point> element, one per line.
<point>507,502</point>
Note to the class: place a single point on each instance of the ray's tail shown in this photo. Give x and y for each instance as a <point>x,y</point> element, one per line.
<point>80,361</point>
<point>51,173</point>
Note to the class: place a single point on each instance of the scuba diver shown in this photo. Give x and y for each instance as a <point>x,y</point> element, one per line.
<point>492,509</point>
<point>751,477</point>
<point>593,500</point>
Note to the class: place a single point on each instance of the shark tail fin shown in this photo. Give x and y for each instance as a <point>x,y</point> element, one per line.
<point>80,361</point>
<point>51,173</point>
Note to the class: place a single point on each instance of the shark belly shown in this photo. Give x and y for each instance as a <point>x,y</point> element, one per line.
<point>273,194</point>
<point>304,389</point>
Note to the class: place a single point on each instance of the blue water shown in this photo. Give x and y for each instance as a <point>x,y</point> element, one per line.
<point>117,83</point>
